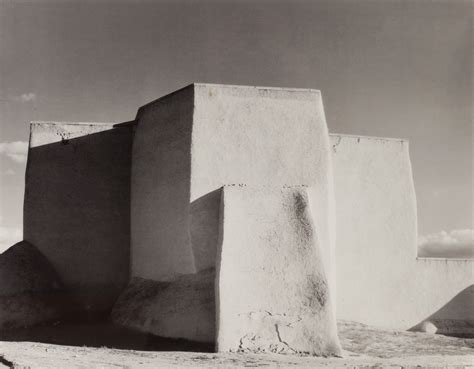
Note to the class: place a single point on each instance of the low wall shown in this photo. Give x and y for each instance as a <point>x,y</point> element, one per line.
<point>380,281</point>
<point>77,205</point>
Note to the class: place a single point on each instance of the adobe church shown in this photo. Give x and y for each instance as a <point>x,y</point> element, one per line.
<point>229,214</point>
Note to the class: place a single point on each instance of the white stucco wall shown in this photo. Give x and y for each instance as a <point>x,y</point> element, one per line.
<point>191,143</point>
<point>271,288</point>
<point>380,281</point>
<point>76,207</point>
<point>262,136</point>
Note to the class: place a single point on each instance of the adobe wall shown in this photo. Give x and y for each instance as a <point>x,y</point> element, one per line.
<point>380,281</point>
<point>191,143</point>
<point>77,205</point>
<point>160,185</point>
<point>272,292</point>
<point>83,190</point>
<point>270,137</point>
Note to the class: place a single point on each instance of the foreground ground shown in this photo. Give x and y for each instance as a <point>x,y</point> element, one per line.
<point>364,347</point>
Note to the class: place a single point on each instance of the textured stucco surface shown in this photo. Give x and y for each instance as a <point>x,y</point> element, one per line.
<point>263,137</point>
<point>77,205</point>
<point>192,142</point>
<point>24,269</point>
<point>30,289</point>
<point>272,292</point>
<point>380,281</point>
<point>183,308</point>
<point>90,197</point>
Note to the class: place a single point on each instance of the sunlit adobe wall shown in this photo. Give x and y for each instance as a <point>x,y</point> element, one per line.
<point>194,141</point>
<point>380,281</point>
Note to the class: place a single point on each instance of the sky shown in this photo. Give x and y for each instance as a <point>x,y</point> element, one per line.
<point>385,68</point>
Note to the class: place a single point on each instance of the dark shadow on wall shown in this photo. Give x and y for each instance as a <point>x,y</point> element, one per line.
<point>77,217</point>
<point>77,212</point>
<point>204,228</point>
<point>35,306</point>
<point>161,177</point>
<point>456,318</point>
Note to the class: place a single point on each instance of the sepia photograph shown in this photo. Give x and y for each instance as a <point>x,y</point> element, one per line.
<point>236,184</point>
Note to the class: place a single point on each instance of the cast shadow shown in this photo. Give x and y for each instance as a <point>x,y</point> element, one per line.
<point>455,318</point>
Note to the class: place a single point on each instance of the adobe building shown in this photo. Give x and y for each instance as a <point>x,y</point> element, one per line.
<point>229,214</point>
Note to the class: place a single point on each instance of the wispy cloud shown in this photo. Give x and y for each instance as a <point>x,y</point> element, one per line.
<point>9,236</point>
<point>23,98</point>
<point>8,172</point>
<point>29,96</point>
<point>457,243</point>
<point>16,150</point>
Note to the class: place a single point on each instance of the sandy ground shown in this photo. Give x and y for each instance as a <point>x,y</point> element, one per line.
<point>364,347</point>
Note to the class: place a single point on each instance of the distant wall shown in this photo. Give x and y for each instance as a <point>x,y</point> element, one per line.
<point>380,281</point>
<point>77,205</point>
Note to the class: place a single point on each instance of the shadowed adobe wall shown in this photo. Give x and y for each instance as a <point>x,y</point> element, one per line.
<point>77,205</point>
<point>160,247</point>
<point>380,281</point>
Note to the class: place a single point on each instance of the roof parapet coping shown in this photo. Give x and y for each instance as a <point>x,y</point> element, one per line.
<point>342,135</point>
<point>201,84</point>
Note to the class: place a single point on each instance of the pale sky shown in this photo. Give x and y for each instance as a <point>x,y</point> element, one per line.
<point>385,68</point>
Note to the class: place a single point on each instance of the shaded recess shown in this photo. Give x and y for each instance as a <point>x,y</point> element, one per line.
<point>77,206</point>
<point>160,202</point>
<point>31,292</point>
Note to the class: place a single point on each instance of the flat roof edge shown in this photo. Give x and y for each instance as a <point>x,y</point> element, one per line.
<point>71,123</point>
<point>369,137</point>
<point>165,96</point>
<point>260,87</point>
<point>203,84</point>
<point>433,258</point>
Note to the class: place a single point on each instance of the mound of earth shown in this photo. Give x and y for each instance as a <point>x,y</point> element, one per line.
<point>31,292</point>
<point>182,308</point>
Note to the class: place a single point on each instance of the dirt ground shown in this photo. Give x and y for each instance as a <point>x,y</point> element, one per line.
<point>105,346</point>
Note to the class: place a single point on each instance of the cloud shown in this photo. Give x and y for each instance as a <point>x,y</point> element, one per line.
<point>16,150</point>
<point>8,172</point>
<point>9,236</point>
<point>30,96</point>
<point>457,243</point>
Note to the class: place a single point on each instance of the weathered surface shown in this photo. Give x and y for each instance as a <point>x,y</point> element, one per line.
<point>364,347</point>
<point>273,294</point>
<point>380,281</point>
<point>30,289</point>
<point>192,142</point>
<point>24,269</point>
<point>182,308</point>
<point>77,205</point>
<point>264,136</point>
